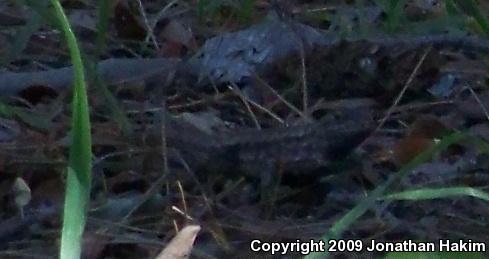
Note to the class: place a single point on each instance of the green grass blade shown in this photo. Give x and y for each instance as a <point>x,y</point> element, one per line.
<point>471,8</point>
<point>438,193</point>
<point>117,113</point>
<point>26,116</point>
<point>79,168</point>
<point>350,217</point>
<point>394,10</point>
<point>103,17</point>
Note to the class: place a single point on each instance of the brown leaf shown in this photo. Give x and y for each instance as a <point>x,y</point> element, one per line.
<point>409,147</point>
<point>427,126</point>
<point>421,136</point>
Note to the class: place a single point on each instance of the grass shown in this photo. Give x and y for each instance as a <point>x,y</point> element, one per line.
<point>394,13</point>
<point>394,18</point>
<point>78,179</point>
<point>359,210</point>
<point>473,11</point>
<point>116,112</point>
<point>437,193</point>
<point>420,194</point>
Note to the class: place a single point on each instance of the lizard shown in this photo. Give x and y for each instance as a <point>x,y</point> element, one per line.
<point>298,148</point>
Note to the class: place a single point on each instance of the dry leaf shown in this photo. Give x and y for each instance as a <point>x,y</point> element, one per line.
<point>181,245</point>
<point>421,136</point>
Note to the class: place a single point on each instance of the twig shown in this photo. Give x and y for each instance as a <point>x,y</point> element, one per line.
<point>267,111</point>
<point>155,187</point>
<point>218,233</point>
<point>403,91</point>
<point>116,71</point>
<point>112,71</point>
<point>243,98</point>
<point>146,24</point>
<point>280,97</point>
<point>264,109</point>
<point>478,100</point>
<point>305,91</point>
<point>184,202</point>
<point>159,15</point>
